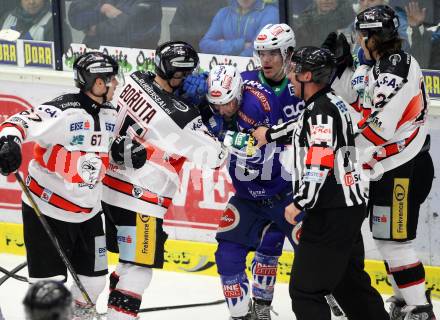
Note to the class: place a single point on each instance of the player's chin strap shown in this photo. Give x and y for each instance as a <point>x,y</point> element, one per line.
<point>302,85</point>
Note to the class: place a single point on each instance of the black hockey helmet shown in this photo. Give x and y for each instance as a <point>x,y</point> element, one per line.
<point>48,300</point>
<point>175,56</point>
<point>93,65</point>
<point>381,20</point>
<point>319,61</point>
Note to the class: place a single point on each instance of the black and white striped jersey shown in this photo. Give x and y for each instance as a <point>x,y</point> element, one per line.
<point>325,166</point>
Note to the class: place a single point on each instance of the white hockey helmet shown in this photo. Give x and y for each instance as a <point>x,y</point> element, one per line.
<point>275,36</point>
<point>224,84</point>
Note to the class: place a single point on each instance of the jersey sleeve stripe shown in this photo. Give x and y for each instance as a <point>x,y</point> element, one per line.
<point>373,137</point>
<point>11,125</point>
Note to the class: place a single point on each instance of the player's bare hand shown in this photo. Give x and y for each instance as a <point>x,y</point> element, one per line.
<point>260,135</point>
<point>291,212</point>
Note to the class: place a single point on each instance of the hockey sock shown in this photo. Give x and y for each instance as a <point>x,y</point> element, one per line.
<point>93,286</point>
<point>264,271</point>
<point>237,295</point>
<point>126,296</point>
<point>393,283</point>
<point>406,270</point>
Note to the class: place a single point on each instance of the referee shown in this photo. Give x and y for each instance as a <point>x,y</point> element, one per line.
<point>330,255</point>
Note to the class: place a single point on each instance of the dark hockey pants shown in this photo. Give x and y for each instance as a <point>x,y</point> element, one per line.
<point>330,259</point>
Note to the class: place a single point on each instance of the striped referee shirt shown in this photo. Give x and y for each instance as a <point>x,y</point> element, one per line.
<point>326,170</point>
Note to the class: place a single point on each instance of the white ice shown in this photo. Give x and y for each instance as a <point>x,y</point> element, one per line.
<point>167,288</point>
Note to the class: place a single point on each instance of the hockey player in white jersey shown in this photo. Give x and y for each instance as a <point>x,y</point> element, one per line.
<point>136,202</point>
<point>390,96</point>
<point>73,135</point>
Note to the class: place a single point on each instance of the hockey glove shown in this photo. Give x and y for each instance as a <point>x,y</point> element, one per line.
<point>240,144</point>
<point>215,126</point>
<point>195,87</point>
<point>130,153</point>
<point>339,46</point>
<point>10,154</point>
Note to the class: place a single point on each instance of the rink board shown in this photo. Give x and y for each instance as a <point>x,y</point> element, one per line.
<point>198,258</point>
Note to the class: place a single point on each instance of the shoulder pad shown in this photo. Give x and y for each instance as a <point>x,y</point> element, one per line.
<point>397,64</point>
<point>259,95</point>
<point>66,101</point>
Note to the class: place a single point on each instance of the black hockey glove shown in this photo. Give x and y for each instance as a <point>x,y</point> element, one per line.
<point>10,154</point>
<point>340,47</point>
<point>130,153</point>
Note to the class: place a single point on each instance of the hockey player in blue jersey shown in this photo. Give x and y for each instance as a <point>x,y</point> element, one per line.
<point>253,218</point>
<point>273,46</point>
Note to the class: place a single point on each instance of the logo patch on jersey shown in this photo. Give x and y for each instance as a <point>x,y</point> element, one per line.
<point>321,133</point>
<point>291,89</point>
<point>89,168</point>
<point>261,97</point>
<point>314,175</point>
<point>137,192</point>
<point>46,195</point>
<point>395,59</point>
<point>229,219</point>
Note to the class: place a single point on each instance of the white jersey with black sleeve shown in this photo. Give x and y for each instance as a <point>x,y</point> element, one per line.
<point>72,136</point>
<point>326,174</point>
<point>172,131</point>
<point>393,105</point>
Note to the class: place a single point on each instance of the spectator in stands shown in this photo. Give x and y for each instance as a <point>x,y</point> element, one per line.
<point>298,6</point>
<point>119,23</point>
<point>425,41</point>
<point>192,20</point>
<point>7,5</point>
<point>313,25</point>
<point>33,19</point>
<point>235,27</point>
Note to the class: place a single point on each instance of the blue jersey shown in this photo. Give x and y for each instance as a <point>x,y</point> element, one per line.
<point>260,176</point>
<point>291,105</point>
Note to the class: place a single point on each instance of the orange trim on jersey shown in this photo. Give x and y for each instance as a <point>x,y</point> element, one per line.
<point>127,188</point>
<point>414,108</point>
<point>391,150</point>
<point>54,199</point>
<point>172,163</point>
<point>320,156</point>
<point>65,162</point>
<point>373,137</point>
<point>22,132</point>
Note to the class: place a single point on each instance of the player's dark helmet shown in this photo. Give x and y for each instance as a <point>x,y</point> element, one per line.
<point>91,66</point>
<point>175,56</point>
<point>319,61</point>
<point>378,20</point>
<point>48,300</point>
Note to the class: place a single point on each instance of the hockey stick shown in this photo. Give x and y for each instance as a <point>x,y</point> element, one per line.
<point>54,239</point>
<point>182,306</point>
<point>12,272</point>
<point>334,306</point>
